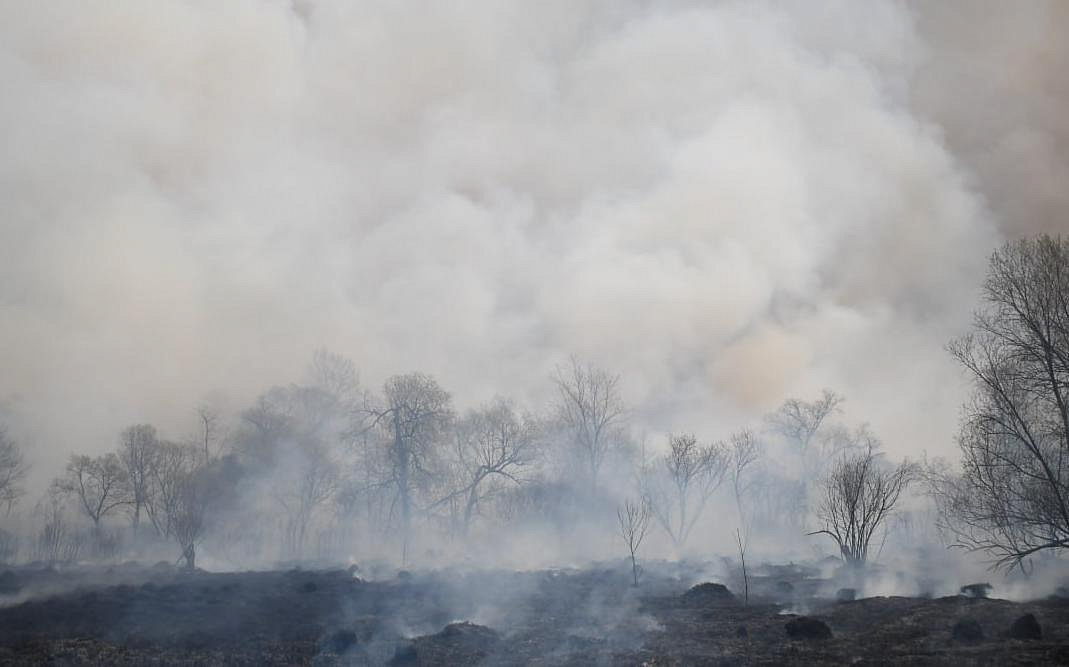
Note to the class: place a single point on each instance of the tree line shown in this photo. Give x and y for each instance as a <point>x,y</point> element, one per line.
<point>319,466</point>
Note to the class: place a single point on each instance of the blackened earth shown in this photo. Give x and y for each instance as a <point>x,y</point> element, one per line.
<point>134,614</point>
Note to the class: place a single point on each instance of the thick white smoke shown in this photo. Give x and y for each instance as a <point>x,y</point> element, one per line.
<point>726,203</point>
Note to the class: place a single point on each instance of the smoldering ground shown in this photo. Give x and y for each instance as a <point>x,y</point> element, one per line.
<point>590,616</point>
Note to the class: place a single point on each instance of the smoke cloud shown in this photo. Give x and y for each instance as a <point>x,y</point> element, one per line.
<point>726,203</point>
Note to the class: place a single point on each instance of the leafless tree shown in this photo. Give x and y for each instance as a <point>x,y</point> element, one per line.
<point>139,445</point>
<point>818,443</point>
<point>364,491</point>
<point>310,480</point>
<point>859,493</point>
<point>741,540</point>
<point>1012,496</point>
<point>170,467</point>
<point>265,426</point>
<point>294,439</point>
<point>804,424</point>
<point>13,470</point>
<point>210,437</point>
<point>743,451</point>
<point>182,488</point>
<point>190,511</point>
<point>800,421</point>
<point>634,521</point>
<point>492,443</point>
<point>679,484</point>
<point>57,541</point>
<point>336,375</point>
<point>99,486</point>
<point>592,411</point>
<point>413,417</point>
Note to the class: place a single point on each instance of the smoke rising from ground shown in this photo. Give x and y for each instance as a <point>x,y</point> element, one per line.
<point>726,204</point>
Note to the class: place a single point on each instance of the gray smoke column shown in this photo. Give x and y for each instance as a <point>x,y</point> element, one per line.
<point>726,203</point>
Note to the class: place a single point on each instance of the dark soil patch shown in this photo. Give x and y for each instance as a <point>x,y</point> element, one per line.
<point>967,630</point>
<point>1025,627</point>
<point>708,593</point>
<point>805,627</point>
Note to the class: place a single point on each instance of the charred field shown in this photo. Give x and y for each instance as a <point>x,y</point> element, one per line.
<point>135,614</point>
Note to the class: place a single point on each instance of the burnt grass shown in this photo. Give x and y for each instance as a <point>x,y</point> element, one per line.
<point>134,614</point>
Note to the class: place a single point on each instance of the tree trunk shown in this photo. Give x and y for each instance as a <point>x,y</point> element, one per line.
<point>469,508</point>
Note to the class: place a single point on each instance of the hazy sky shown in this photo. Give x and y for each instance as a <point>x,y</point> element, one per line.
<point>727,203</point>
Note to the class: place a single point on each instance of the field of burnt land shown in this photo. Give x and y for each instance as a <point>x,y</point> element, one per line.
<point>136,614</point>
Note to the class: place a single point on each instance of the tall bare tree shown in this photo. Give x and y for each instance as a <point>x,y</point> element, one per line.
<point>308,482</point>
<point>296,437</point>
<point>1012,497</point>
<point>336,375</point>
<point>210,437</point>
<point>859,493</point>
<point>679,484</point>
<point>138,446</point>
<point>592,411</point>
<point>741,543</point>
<point>804,425</point>
<point>170,468</point>
<point>196,489</point>
<point>413,417</point>
<point>13,470</point>
<point>184,490</point>
<point>99,485</point>
<point>800,421</point>
<point>493,443</point>
<point>56,541</point>
<point>634,521</point>
<point>743,451</point>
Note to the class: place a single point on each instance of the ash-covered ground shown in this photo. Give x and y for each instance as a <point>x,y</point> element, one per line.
<point>137,614</point>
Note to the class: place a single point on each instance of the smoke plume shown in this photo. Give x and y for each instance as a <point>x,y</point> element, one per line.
<point>726,203</point>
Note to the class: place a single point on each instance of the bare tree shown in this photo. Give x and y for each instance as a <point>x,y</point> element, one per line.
<point>335,375</point>
<point>56,542</point>
<point>183,489</point>
<point>191,511</point>
<point>592,411</point>
<point>860,492</point>
<point>492,443</point>
<point>138,446</point>
<point>266,425</point>
<point>210,437</point>
<point>800,421</point>
<point>99,485</point>
<point>13,470</point>
<point>413,416</point>
<point>170,468</point>
<point>743,451</point>
<point>1012,497</point>
<point>310,480</point>
<point>634,521</point>
<point>741,540</point>
<point>804,425</point>
<point>295,438</point>
<point>679,484</point>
